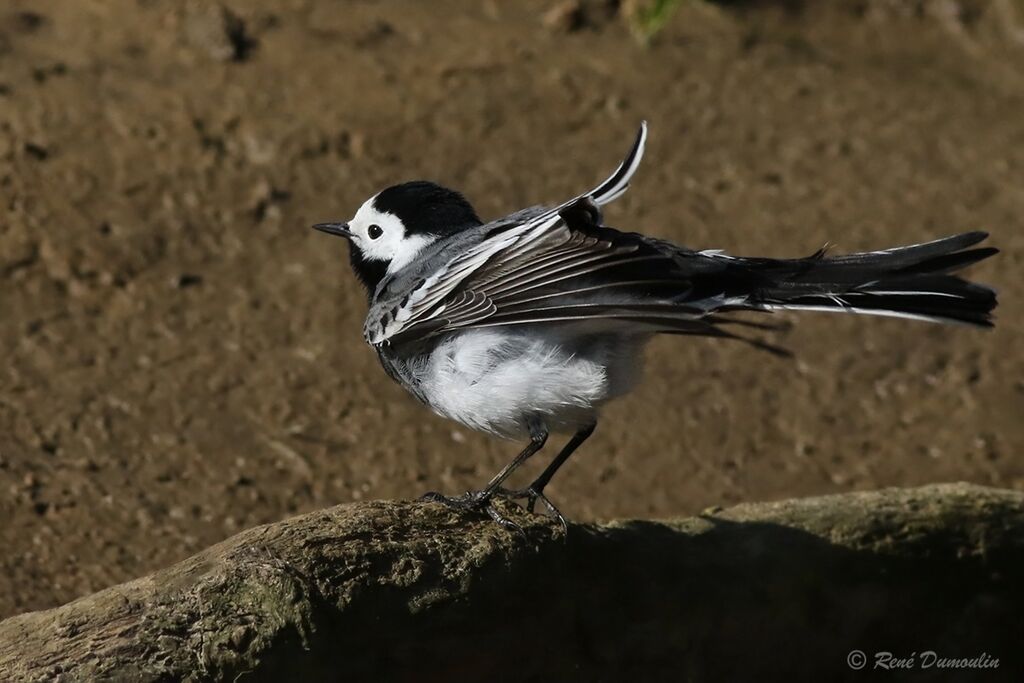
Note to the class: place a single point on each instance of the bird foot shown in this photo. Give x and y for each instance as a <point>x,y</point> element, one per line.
<point>532,494</point>
<point>473,501</point>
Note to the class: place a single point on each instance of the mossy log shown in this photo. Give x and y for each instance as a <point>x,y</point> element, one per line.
<point>413,591</point>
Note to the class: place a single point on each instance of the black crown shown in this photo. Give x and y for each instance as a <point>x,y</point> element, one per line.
<point>427,208</point>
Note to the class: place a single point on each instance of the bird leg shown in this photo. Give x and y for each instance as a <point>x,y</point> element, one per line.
<point>535,491</point>
<point>481,500</point>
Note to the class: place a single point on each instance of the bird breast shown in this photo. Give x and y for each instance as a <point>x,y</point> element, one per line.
<point>494,380</point>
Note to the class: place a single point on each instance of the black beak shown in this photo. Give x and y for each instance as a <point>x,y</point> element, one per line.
<point>339,229</point>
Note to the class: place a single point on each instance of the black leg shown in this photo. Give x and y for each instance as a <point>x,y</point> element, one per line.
<point>535,491</point>
<point>481,500</point>
<point>575,442</point>
<point>538,437</point>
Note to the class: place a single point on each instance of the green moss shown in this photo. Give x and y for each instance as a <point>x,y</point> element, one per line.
<point>649,19</point>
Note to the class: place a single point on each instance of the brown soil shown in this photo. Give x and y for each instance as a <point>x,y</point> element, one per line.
<point>183,356</point>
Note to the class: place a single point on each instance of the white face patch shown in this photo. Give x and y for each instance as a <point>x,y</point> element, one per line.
<point>387,241</point>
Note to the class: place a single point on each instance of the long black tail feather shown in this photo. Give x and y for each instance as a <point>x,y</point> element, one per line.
<point>912,282</point>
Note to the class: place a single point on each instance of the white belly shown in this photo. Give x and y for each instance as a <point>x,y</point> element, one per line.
<point>494,380</point>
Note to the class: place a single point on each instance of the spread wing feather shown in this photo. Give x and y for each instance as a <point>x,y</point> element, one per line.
<point>517,258</point>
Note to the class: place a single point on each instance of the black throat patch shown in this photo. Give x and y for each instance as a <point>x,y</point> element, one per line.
<point>370,273</point>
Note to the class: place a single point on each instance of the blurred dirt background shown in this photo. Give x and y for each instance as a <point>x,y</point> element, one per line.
<point>183,356</point>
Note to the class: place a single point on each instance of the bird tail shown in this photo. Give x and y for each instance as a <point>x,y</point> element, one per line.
<point>915,281</point>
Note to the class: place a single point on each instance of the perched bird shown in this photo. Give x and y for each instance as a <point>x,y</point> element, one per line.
<point>529,323</point>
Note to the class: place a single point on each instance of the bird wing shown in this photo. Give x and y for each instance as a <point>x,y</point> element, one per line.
<point>560,265</point>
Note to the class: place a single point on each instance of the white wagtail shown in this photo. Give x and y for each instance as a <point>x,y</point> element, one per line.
<point>529,323</point>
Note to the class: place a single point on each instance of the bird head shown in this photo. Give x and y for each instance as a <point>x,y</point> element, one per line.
<point>393,227</point>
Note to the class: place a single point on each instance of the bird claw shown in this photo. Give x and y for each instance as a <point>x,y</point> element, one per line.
<point>473,501</point>
<point>470,500</point>
<point>504,521</point>
<point>532,495</point>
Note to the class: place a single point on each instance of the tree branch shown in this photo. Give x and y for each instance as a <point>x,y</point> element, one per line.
<point>410,591</point>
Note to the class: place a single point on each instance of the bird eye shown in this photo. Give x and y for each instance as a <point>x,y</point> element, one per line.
<point>374,231</point>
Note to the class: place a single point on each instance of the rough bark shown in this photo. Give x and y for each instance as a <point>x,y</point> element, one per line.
<point>411,591</point>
